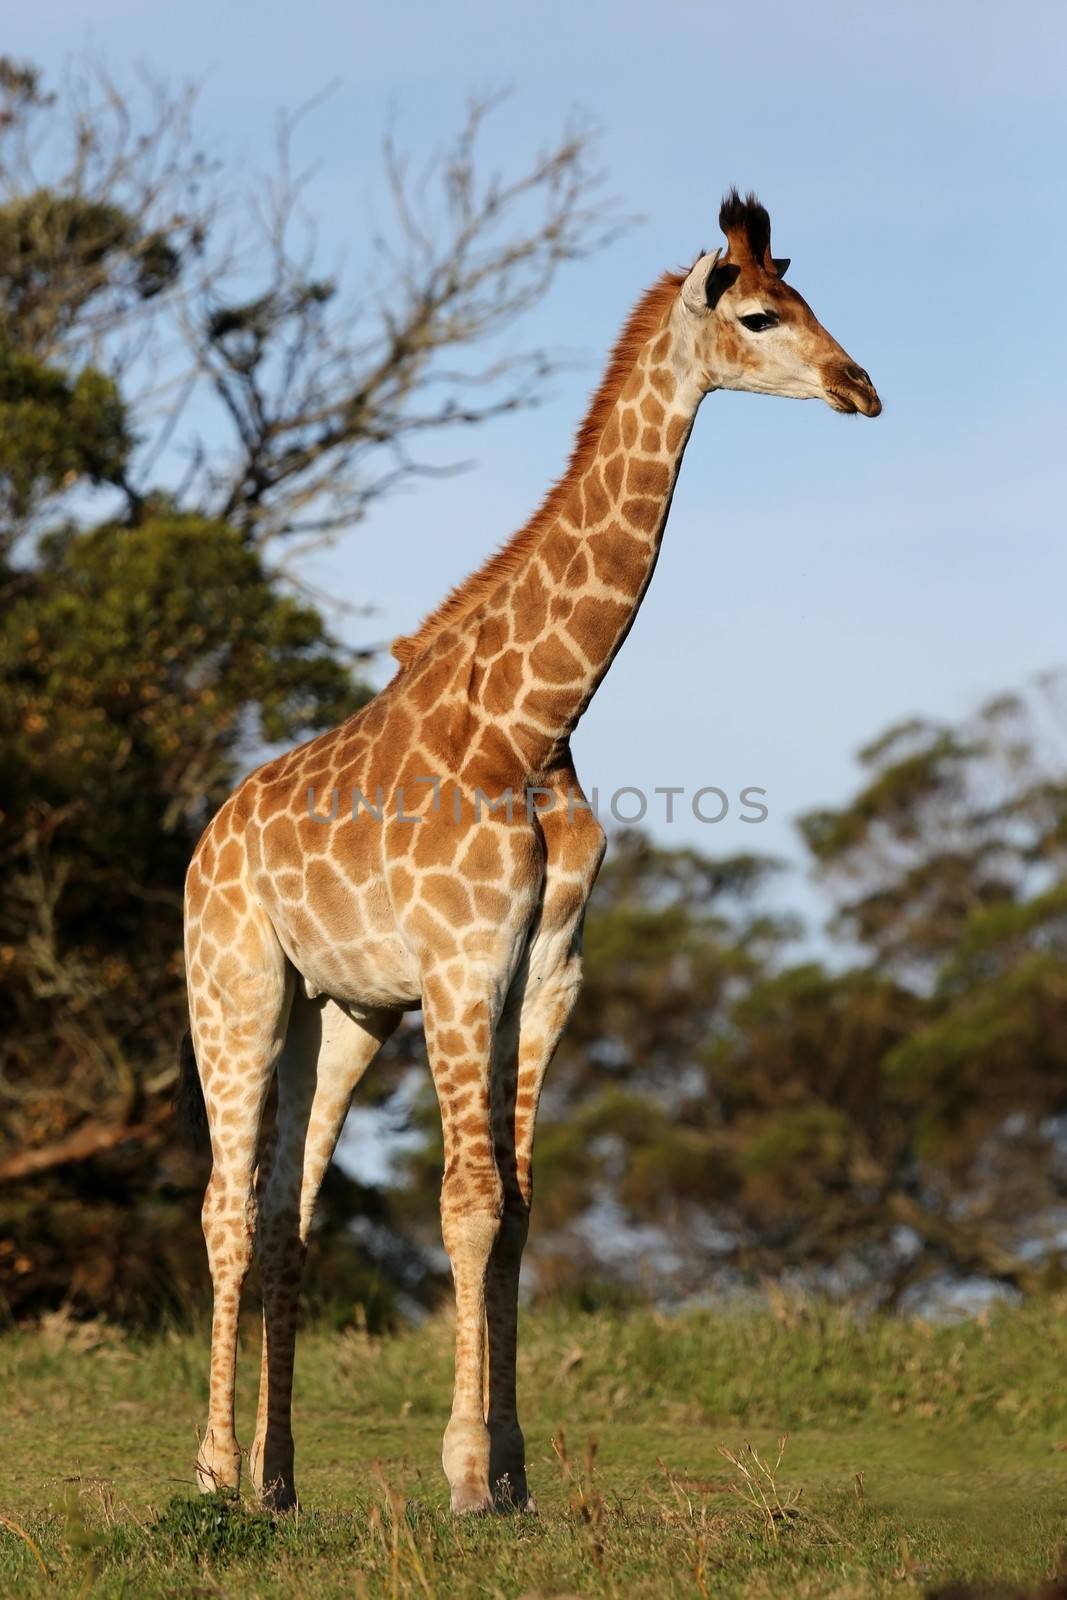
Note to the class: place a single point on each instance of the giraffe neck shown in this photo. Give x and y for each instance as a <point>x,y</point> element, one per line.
<point>548,636</point>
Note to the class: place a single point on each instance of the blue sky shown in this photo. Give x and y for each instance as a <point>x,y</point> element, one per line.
<point>821,576</point>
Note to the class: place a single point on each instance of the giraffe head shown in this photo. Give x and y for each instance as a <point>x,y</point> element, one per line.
<point>747,329</point>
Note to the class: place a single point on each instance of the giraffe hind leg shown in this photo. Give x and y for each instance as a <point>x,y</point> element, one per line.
<point>326,1053</point>
<point>239,1006</point>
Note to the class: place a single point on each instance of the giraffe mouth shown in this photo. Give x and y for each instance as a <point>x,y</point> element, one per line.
<point>837,400</point>
<point>853,402</point>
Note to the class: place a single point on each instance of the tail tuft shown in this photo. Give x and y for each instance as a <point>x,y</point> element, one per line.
<point>189,1107</point>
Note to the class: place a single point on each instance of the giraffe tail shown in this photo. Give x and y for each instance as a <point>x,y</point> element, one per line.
<point>189,1107</point>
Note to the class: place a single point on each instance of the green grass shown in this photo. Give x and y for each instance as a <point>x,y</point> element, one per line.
<point>921,1455</point>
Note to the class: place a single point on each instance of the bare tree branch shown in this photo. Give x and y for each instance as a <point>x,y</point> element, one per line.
<point>323,395</point>
<point>119,249</point>
<point>89,1139</point>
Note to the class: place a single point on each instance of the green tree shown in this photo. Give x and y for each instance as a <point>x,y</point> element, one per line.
<point>878,1122</point>
<point>950,867</point>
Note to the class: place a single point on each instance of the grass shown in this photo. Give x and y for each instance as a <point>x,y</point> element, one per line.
<point>916,1457</point>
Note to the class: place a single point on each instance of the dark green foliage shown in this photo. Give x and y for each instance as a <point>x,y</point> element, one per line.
<point>214,1528</point>
<point>132,658</point>
<point>71,247</point>
<point>137,667</point>
<point>54,432</point>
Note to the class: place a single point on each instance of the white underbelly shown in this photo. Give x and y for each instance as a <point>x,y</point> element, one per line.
<point>368,972</point>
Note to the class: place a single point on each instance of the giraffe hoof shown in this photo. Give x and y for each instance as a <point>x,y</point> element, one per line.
<point>511,1494</point>
<point>470,1501</point>
<point>465,1458</point>
<point>279,1496</point>
<point>218,1465</point>
<point>273,1482</point>
<point>507,1467</point>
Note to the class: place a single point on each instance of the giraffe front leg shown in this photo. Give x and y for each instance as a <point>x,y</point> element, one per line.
<point>527,1042</point>
<point>469,1236</point>
<point>459,1028</point>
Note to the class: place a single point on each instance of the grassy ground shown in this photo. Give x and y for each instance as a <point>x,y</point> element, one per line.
<point>916,1456</point>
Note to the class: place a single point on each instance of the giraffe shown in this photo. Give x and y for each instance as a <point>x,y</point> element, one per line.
<point>436,851</point>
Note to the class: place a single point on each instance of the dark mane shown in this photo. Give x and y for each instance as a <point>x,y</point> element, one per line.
<point>645,319</point>
<point>747,216</point>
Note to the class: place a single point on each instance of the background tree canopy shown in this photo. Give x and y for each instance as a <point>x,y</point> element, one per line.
<point>879,1116</point>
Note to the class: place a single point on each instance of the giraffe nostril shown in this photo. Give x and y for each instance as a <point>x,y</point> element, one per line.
<point>858,375</point>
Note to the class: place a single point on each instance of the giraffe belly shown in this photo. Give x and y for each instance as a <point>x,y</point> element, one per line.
<point>346,945</point>
<point>375,971</point>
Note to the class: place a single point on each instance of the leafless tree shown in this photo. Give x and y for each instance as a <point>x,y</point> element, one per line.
<point>329,396</point>
<point>122,244</point>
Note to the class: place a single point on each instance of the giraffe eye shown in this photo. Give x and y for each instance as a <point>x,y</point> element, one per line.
<point>759,321</point>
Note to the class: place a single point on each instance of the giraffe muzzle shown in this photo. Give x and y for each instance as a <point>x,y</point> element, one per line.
<point>849,389</point>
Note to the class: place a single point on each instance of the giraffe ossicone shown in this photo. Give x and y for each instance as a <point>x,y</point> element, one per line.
<point>308,937</point>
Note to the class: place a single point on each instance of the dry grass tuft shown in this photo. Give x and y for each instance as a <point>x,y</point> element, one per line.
<point>585,1500</point>
<point>759,1488</point>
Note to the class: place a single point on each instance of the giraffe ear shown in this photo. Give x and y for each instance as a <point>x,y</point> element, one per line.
<point>695,287</point>
<point>781,265</point>
<point>708,281</point>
